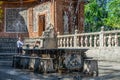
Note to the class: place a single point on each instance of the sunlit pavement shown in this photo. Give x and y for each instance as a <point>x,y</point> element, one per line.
<point>107,71</point>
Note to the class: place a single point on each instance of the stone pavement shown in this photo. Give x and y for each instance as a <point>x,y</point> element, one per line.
<point>107,71</point>
<point>9,73</point>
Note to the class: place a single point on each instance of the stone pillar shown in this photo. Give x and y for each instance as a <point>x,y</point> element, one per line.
<point>75,38</point>
<point>101,37</point>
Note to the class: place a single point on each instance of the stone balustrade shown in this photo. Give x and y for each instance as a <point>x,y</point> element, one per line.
<point>29,42</point>
<point>89,40</point>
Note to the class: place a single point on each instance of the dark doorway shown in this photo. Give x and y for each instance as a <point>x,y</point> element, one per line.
<point>41,24</point>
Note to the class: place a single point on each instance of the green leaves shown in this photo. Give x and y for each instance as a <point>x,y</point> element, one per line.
<point>94,15</point>
<point>113,18</point>
<point>102,13</point>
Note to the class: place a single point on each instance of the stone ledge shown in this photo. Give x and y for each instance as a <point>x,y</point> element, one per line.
<point>7,54</point>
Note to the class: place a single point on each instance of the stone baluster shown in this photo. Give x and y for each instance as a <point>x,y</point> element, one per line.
<point>75,38</point>
<point>95,40</point>
<point>116,39</point>
<point>67,42</point>
<point>81,41</point>
<point>90,41</point>
<point>77,41</point>
<point>61,42</point>
<point>64,42</point>
<point>101,37</point>
<point>109,40</point>
<point>113,41</point>
<point>71,41</point>
<point>98,42</point>
<point>86,41</point>
<point>104,41</point>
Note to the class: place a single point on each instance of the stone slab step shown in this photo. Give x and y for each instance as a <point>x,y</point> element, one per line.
<point>7,54</point>
<point>6,63</point>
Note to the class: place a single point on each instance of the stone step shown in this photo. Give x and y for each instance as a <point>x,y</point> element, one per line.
<point>6,56</point>
<point>8,49</point>
<point>4,63</point>
<point>8,45</point>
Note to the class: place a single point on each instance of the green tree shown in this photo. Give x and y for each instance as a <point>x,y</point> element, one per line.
<point>113,19</point>
<point>94,16</point>
<point>102,13</point>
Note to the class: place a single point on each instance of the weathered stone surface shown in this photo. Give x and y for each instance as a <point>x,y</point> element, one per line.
<point>50,43</point>
<point>105,53</point>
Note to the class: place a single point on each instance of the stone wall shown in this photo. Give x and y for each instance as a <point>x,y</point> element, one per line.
<point>105,53</point>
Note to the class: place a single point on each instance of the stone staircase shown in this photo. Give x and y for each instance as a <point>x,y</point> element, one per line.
<point>7,50</point>
<point>6,59</point>
<point>8,45</point>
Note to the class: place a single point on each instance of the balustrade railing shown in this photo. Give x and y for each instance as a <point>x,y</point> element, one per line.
<point>89,40</point>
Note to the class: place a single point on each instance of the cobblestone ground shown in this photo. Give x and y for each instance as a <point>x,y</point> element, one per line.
<point>107,71</point>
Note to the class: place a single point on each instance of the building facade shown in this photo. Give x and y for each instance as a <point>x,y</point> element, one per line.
<point>30,18</point>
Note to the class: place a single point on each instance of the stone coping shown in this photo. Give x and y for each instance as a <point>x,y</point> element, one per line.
<point>7,54</point>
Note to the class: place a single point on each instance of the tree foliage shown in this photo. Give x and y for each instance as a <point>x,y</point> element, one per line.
<point>102,13</point>
<point>113,18</point>
<point>94,16</point>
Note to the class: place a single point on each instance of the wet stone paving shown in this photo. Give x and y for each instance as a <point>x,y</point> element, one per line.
<point>107,71</point>
<point>9,73</point>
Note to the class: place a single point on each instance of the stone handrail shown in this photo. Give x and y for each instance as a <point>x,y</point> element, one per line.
<point>89,40</point>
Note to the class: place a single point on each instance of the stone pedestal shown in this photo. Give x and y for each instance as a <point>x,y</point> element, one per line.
<point>50,43</point>
<point>90,67</point>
